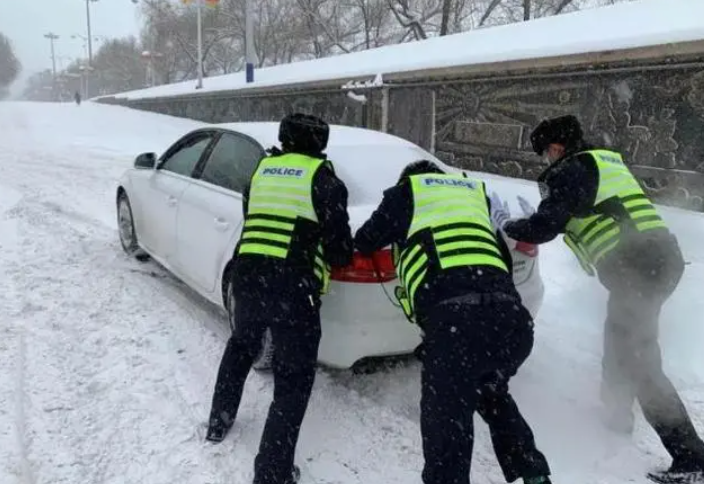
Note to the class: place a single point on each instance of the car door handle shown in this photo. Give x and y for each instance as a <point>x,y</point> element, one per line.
<point>172,201</point>
<point>221,224</point>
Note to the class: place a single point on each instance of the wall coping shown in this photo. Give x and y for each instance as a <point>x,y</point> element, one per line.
<point>634,59</point>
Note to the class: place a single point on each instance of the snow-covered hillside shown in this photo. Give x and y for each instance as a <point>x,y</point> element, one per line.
<point>107,365</point>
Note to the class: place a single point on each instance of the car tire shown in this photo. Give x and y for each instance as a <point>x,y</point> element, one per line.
<point>263,360</point>
<point>126,230</point>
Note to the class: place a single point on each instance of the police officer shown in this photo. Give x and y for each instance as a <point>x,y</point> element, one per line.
<point>296,226</point>
<point>589,194</point>
<point>456,277</point>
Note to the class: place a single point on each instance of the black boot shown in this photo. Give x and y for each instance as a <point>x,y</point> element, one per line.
<point>681,472</point>
<point>537,480</point>
<point>218,427</point>
<point>295,475</point>
<point>293,479</point>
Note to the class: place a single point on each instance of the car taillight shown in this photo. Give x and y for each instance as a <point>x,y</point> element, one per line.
<point>375,269</point>
<point>531,250</point>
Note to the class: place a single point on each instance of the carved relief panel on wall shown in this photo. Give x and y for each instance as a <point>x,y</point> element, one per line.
<point>655,118</point>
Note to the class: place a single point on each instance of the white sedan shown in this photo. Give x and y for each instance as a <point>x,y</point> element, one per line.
<point>184,210</point>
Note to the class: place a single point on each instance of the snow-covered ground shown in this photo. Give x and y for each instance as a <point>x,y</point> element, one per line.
<point>107,365</point>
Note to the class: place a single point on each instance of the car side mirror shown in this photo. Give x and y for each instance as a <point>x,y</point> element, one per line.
<point>145,161</point>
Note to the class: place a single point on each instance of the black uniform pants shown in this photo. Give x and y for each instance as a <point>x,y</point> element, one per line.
<point>632,362</point>
<point>295,326</point>
<point>469,354</point>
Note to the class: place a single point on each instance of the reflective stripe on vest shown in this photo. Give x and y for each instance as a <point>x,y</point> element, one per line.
<point>281,194</point>
<point>593,237</point>
<point>453,210</point>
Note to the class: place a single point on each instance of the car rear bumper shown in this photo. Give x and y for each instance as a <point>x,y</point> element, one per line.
<point>360,321</point>
<point>532,293</point>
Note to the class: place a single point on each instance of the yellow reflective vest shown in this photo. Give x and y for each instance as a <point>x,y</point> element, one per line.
<point>593,237</point>
<point>281,195</point>
<point>451,212</point>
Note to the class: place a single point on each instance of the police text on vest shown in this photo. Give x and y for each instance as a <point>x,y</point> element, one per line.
<point>449,183</point>
<point>282,171</point>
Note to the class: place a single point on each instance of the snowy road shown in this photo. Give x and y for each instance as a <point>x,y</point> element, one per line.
<point>107,365</point>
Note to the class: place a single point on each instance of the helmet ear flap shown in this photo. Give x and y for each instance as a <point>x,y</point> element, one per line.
<point>539,138</point>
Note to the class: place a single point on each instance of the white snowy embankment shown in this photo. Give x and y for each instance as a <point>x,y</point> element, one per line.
<point>107,365</point>
<point>621,26</point>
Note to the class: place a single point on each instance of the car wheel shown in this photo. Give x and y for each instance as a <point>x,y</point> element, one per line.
<point>125,226</point>
<point>263,360</point>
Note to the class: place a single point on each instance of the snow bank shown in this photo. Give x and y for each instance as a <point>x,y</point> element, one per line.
<point>622,26</point>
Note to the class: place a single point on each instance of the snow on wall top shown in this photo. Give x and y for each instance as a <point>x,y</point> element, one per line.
<point>622,26</point>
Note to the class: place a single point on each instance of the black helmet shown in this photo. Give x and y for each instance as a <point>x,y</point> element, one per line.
<point>303,133</point>
<point>421,167</point>
<point>564,130</point>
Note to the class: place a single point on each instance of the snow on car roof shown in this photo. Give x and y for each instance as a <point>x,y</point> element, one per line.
<point>367,161</point>
<point>266,133</point>
<point>621,26</point>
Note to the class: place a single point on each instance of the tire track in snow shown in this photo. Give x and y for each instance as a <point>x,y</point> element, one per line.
<point>172,290</point>
<point>20,417</point>
<point>196,405</point>
<point>8,248</point>
<point>79,233</point>
<point>37,219</point>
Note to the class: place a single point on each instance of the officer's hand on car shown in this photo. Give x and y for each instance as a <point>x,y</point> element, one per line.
<point>527,208</point>
<point>500,213</point>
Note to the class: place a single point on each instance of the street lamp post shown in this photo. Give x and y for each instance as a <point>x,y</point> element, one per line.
<point>249,41</point>
<point>90,37</point>
<point>200,43</point>
<point>199,19</point>
<point>52,37</point>
<point>90,45</point>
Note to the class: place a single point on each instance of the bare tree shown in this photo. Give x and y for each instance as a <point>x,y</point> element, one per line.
<point>414,16</point>
<point>9,65</point>
<point>311,12</point>
<point>39,87</point>
<point>292,30</point>
<point>119,66</point>
<point>445,16</point>
<point>374,18</point>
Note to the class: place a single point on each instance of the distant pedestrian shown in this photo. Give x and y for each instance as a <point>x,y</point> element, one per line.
<point>77,98</point>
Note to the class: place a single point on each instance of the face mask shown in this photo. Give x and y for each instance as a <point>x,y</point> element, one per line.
<point>544,190</point>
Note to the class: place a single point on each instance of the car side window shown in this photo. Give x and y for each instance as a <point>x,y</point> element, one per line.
<point>232,162</point>
<point>184,160</point>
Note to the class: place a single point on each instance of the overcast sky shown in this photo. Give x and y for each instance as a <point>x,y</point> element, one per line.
<point>26,21</point>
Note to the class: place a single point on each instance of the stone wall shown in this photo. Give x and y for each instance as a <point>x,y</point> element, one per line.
<point>335,107</point>
<point>654,115</point>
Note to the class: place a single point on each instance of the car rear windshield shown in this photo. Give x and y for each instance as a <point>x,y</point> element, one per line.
<point>368,170</point>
